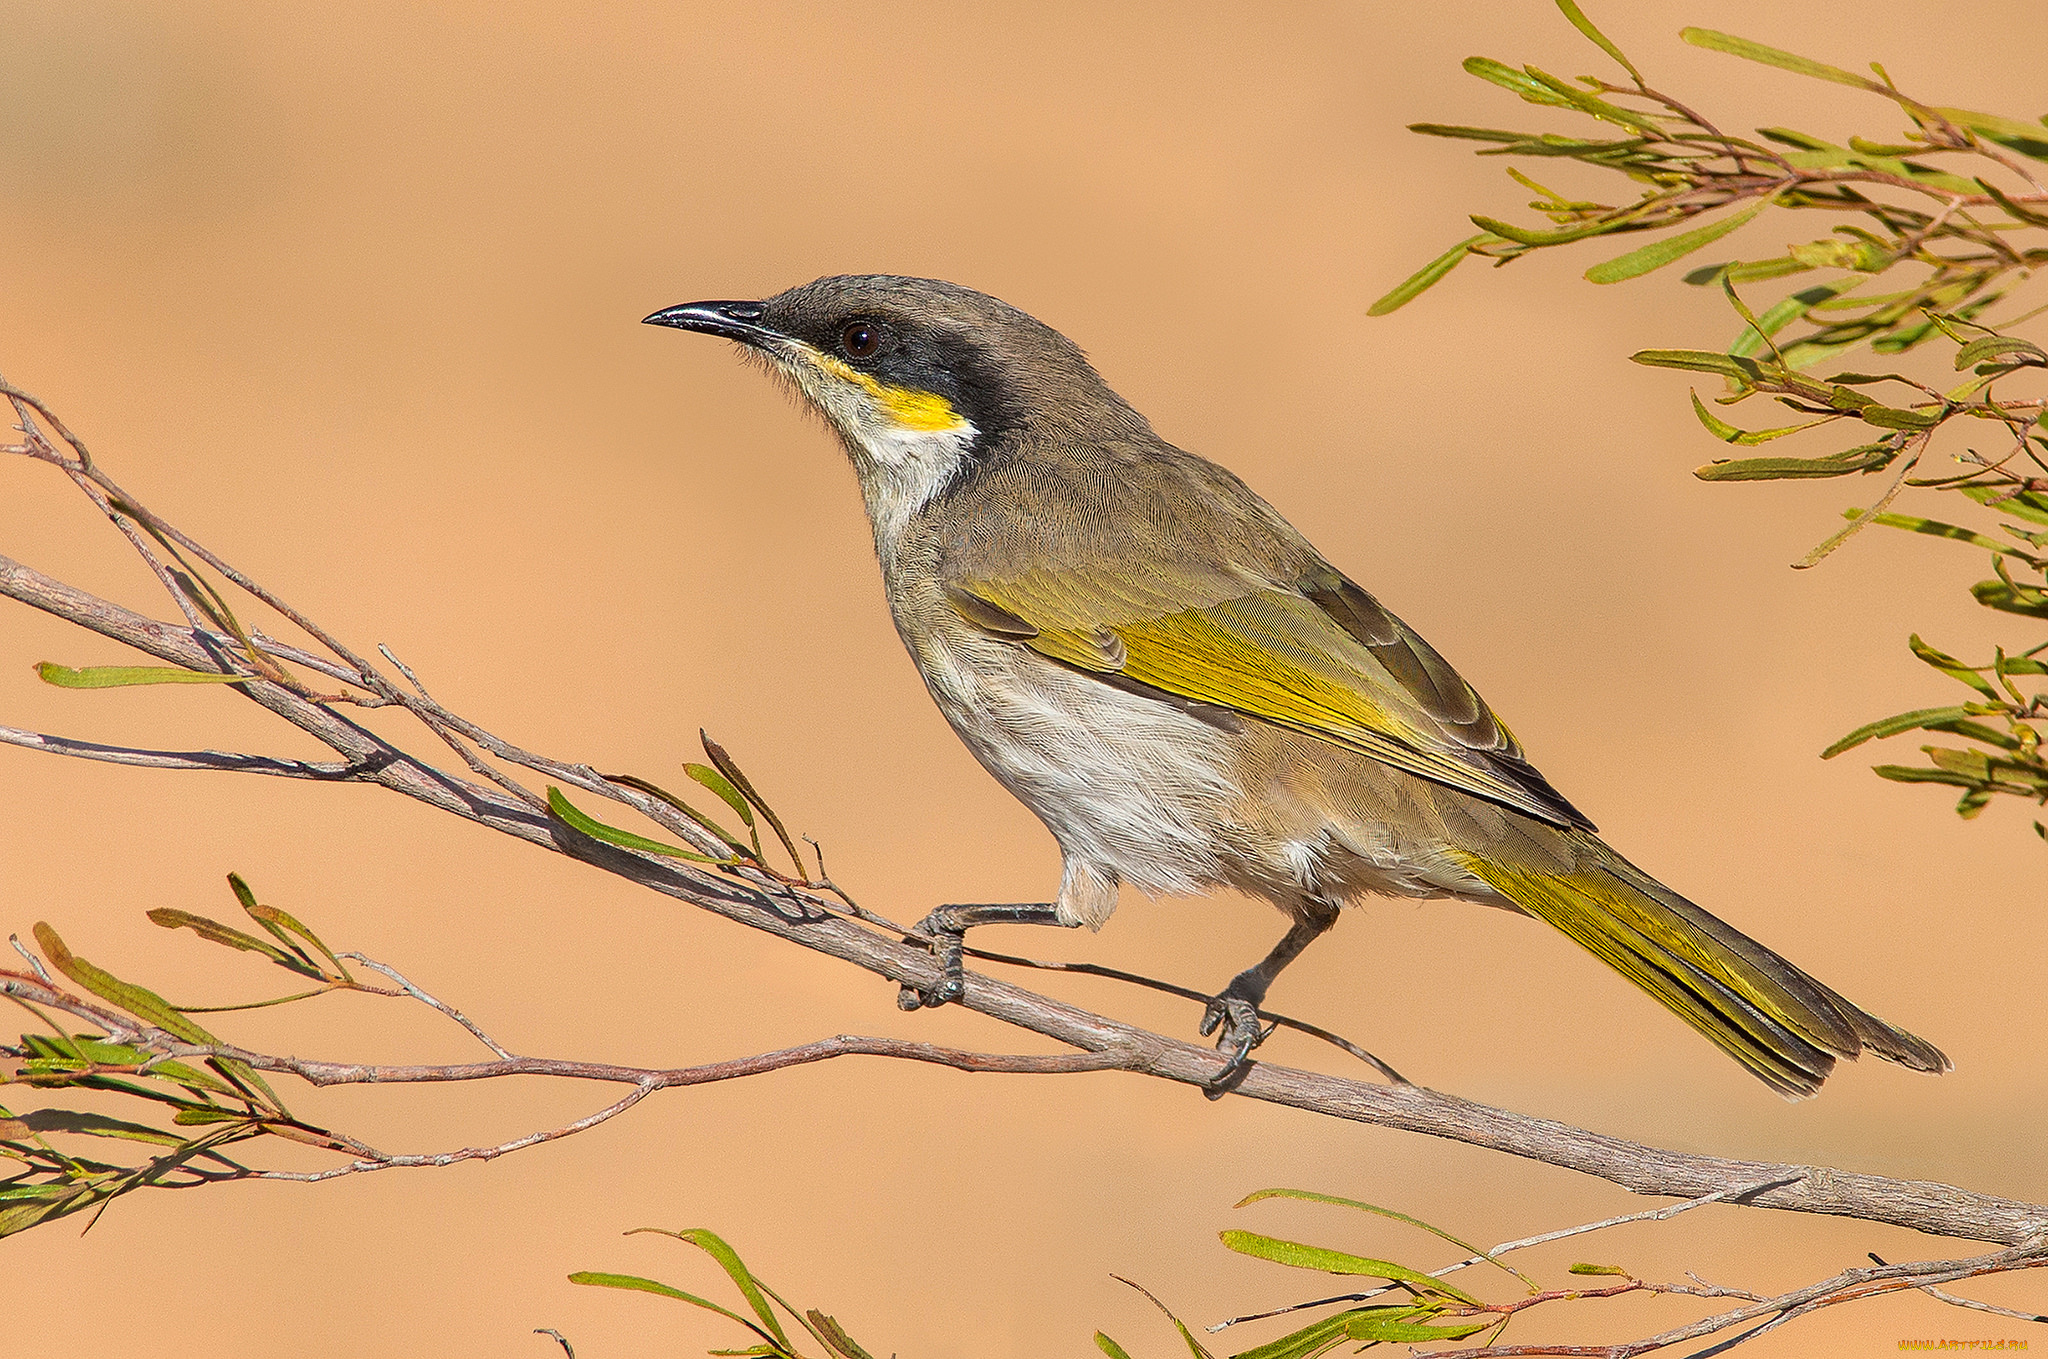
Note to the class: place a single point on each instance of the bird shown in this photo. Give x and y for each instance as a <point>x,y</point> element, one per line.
<point>1190,696</point>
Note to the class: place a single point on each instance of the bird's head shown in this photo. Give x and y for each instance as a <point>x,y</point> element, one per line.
<point>918,376</point>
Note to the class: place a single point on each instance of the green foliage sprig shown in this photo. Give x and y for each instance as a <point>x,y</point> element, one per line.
<point>223,1098</point>
<point>1952,212</point>
<point>771,1337</point>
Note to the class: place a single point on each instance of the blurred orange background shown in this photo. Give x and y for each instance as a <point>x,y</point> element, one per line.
<point>351,293</point>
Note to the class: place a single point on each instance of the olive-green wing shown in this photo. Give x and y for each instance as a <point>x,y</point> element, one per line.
<point>1324,658</point>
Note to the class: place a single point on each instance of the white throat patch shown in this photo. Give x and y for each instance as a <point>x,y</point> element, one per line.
<point>906,446</point>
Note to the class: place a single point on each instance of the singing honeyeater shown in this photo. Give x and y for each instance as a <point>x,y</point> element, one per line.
<point>1189,696</point>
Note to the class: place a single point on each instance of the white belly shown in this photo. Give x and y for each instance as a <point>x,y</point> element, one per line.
<point>1130,787</point>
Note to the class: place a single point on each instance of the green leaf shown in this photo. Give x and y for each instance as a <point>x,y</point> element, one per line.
<point>1660,253</point>
<point>569,815</point>
<point>1515,82</point>
<point>96,1125</point>
<point>1771,56</point>
<point>1862,256</point>
<point>1890,417</point>
<point>2031,506</point>
<point>1952,667</point>
<point>1728,433</point>
<point>1263,1247</point>
<point>2029,139</point>
<point>728,1259</point>
<point>1365,1325</point>
<point>1585,26</point>
<point>1783,313</point>
<point>834,1336</point>
<point>1761,270</point>
<point>719,784</point>
<point>1194,1346</point>
<point>1991,346</point>
<point>1313,1339</point>
<point>1110,1347</point>
<point>1917,720</point>
<point>280,921</point>
<point>1470,134</point>
<point>214,932</point>
<point>2013,209</point>
<point>1422,279</point>
<point>1521,235</point>
<point>1742,371</point>
<point>698,818</point>
<point>50,1201</point>
<point>597,1279</point>
<point>1865,458</point>
<point>1583,1268</point>
<point>1311,1196</point>
<point>124,676</point>
<point>2010,596</point>
<point>144,1004</point>
<point>1934,528</point>
<point>744,786</point>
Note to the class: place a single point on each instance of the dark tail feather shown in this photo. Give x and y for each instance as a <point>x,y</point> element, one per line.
<point>1781,1024</point>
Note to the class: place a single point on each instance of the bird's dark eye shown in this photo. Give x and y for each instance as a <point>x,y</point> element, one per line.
<point>861,339</point>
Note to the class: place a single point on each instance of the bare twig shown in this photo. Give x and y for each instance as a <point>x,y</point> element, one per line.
<point>1936,1208</point>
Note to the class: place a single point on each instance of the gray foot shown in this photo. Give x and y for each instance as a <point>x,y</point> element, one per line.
<point>1236,1013</point>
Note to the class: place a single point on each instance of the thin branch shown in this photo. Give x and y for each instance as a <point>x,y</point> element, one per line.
<point>417,994</point>
<point>216,760</point>
<point>1851,1285</point>
<point>1940,1209</point>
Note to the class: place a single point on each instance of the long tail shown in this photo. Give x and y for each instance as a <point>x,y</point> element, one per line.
<point>1783,1025</point>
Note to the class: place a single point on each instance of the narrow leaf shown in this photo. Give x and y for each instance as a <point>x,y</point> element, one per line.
<point>1771,56</point>
<point>1300,1256</point>
<point>1531,236</point>
<point>569,815</point>
<point>1700,361</point>
<point>1748,438</point>
<point>1660,253</point>
<point>655,790</point>
<point>2029,139</point>
<point>722,786</point>
<point>1919,719</point>
<point>1585,26</point>
<point>1194,1346</point>
<point>216,933</point>
<point>834,1335</point>
<point>1311,1196</point>
<point>728,1259</point>
<point>144,1004</point>
<point>1951,667</point>
<point>2009,596</point>
<point>1422,279</point>
<point>2031,506</point>
<point>125,676</point>
<point>732,771</point>
<point>1867,458</point>
<point>1991,346</point>
<point>597,1279</point>
<point>1934,528</point>
<point>1366,1326</point>
<point>1110,1347</point>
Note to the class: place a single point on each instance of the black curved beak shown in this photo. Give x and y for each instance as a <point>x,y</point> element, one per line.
<point>732,320</point>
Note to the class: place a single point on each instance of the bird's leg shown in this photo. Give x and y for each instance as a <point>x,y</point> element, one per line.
<point>945,930</point>
<point>1236,1010</point>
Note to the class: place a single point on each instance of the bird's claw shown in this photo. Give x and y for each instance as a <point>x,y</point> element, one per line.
<point>1241,1032</point>
<point>946,940</point>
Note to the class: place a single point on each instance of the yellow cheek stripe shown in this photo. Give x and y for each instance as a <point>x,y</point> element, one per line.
<point>919,411</point>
